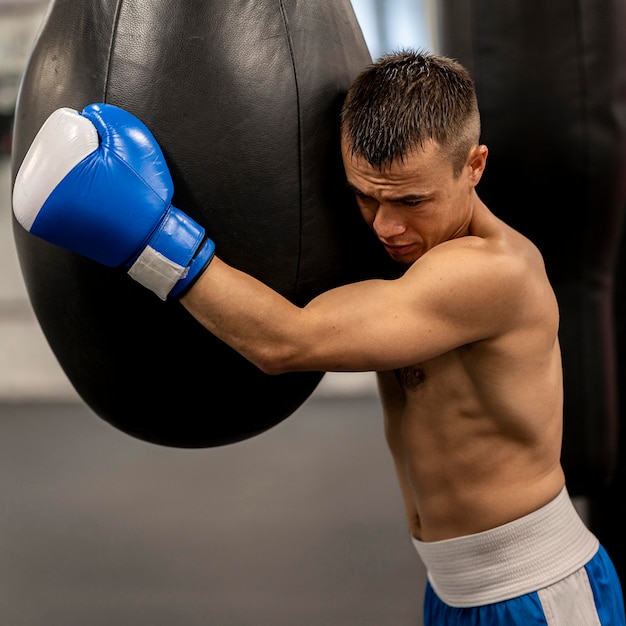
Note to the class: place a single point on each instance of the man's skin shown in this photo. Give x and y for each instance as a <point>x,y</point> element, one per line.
<point>465,343</point>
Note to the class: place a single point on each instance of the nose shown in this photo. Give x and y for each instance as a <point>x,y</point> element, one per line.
<point>388,222</point>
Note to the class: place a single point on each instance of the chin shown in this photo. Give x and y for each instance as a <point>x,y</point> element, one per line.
<point>405,259</point>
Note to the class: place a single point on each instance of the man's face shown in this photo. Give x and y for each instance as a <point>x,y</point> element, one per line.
<point>412,205</point>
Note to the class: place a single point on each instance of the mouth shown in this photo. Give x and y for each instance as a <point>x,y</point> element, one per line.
<point>398,252</point>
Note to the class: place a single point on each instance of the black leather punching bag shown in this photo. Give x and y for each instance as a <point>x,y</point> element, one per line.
<point>551,83</point>
<point>243,96</point>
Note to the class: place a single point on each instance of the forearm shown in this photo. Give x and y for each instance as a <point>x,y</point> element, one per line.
<point>250,317</point>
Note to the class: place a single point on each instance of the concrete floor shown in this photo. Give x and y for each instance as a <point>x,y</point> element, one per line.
<point>302,525</point>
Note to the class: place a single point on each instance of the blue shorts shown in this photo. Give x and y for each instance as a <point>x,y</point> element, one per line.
<point>544,569</point>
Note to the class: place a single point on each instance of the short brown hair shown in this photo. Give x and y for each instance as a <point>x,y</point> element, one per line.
<point>405,99</point>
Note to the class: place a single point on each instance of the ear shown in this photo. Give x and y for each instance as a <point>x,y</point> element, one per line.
<point>477,161</point>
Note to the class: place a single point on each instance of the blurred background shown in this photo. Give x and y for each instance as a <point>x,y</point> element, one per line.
<point>300,525</point>
<point>304,523</point>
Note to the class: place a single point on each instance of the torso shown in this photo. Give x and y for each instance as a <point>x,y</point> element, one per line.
<point>476,433</point>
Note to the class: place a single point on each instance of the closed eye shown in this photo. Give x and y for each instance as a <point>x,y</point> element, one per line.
<point>359,194</point>
<point>408,201</point>
<point>412,201</point>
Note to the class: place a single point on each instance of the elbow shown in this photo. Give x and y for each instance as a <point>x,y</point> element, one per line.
<point>274,363</point>
<point>272,366</point>
<point>271,369</point>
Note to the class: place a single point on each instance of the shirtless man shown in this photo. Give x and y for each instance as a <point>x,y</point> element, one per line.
<point>464,343</point>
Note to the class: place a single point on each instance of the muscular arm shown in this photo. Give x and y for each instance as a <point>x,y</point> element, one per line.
<point>456,293</point>
<point>373,325</point>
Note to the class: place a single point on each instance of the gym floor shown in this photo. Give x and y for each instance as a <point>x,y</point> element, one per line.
<point>301,525</point>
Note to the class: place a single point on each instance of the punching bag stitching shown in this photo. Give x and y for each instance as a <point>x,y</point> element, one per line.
<point>299,134</point>
<point>107,73</point>
<point>581,50</point>
<point>603,399</point>
<point>474,52</point>
<point>582,263</point>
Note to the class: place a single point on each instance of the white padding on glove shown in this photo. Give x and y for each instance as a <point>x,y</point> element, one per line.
<point>64,140</point>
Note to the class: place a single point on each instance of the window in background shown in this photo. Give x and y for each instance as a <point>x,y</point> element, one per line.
<point>389,25</point>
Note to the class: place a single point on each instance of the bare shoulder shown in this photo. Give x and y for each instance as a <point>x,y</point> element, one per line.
<point>486,264</point>
<point>490,283</point>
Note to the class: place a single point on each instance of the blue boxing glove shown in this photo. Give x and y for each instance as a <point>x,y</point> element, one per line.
<point>96,182</point>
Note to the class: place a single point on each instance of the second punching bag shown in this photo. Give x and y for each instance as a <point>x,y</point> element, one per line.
<point>243,96</point>
<point>550,79</point>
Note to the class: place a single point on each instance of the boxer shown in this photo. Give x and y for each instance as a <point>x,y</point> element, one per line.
<point>464,342</point>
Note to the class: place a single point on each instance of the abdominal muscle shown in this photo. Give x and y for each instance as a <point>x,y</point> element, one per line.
<point>454,498</point>
<point>466,466</point>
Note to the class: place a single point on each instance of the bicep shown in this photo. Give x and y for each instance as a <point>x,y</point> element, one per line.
<point>373,326</point>
<point>381,325</point>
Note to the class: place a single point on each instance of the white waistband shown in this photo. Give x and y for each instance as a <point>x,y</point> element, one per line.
<point>522,556</point>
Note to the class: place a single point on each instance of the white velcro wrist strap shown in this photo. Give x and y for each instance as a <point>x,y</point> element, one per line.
<point>156,272</point>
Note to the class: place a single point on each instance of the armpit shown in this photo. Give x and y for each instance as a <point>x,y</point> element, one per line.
<point>410,377</point>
